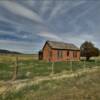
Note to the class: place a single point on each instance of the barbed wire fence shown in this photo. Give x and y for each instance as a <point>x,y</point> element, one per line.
<point>70,64</point>
<point>15,71</point>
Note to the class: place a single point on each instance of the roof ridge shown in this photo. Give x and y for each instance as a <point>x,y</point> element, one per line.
<point>59,42</point>
<point>62,45</point>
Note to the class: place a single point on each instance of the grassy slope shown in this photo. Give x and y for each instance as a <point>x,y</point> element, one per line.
<point>84,87</point>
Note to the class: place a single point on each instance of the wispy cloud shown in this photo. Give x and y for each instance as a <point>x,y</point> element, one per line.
<point>51,36</point>
<point>55,10</point>
<point>20,10</point>
<point>79,39</point>
<point>26,24</point>
<point>64,7</point>
<point>71,5</point>
<point>83,13</point>
<point>45,6</point>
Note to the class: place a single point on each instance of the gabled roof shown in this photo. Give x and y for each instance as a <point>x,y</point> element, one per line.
<point>61,45</point>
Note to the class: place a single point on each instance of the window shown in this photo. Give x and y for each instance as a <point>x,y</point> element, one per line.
<point>67,53</point>
<point>59,54</point>
<point>74,53</point>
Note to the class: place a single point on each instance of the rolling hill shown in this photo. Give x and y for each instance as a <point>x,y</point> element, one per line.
<point>3,51</point>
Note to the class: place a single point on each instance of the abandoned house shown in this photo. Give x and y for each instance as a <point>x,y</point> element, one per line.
<point>54,51</point>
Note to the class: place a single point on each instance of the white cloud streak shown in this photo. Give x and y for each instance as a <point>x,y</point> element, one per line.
<point>44,32</point>
<point>64,7</point>
<point>45,6</point>
<point>51,36</point>
<point>20,10</point>
<point>55,10</point>
<point>82,14</point>
<point>71,6</point>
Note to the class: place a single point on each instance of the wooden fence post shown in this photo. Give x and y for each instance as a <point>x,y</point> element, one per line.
<point>95,61</point>
<point>15,69</point>
<point>71,64</point>
<point>52,68</point>
<point>84,65</point>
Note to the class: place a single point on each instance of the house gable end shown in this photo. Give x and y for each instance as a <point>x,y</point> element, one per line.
<point>45,45</point>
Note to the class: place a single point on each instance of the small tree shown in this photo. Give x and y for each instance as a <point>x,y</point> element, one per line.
<point>88,50</point>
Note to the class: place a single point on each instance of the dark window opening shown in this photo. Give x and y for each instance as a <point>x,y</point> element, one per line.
<point>40,55</point>
<point>67,53</point>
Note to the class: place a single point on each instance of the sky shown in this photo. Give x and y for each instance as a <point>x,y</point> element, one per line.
<point>25,25</point>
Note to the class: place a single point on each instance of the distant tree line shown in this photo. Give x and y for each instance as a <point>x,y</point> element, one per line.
<point>88,50</point>
<point>2,51</point>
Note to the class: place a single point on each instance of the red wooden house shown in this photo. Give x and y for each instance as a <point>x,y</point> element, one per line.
<point>58,51</point>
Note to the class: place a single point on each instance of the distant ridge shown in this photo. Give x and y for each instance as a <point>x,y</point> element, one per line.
<point>3,51</point>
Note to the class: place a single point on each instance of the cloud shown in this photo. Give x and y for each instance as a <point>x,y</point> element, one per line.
<point>90,24</point>
<point>64,7</point>
<point>80,38</point>
<point>26,24</point>
<point>25,36</point>
<point>55,10</point>
<point>6,32</point>
<point>45,6</point>
<point>86,11</point>
<point>8,35</point>
<point>51,36</point>
<point>25,47</point>
<point>29,3</point>
<point>71,5</point>
<point>20,10</point>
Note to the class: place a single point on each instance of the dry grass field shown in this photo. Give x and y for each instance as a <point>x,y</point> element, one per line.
<point>29,66</point>
<point>12,57</point>
<point>82,87</point>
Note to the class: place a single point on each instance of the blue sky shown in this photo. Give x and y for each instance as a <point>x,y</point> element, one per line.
<point>25,25</point>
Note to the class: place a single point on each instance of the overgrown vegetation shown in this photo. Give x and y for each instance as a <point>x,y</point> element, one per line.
<point>84,87</point>
<point>29,68</point>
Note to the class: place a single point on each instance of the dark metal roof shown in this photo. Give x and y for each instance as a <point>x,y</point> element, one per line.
<point>61,45</point>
